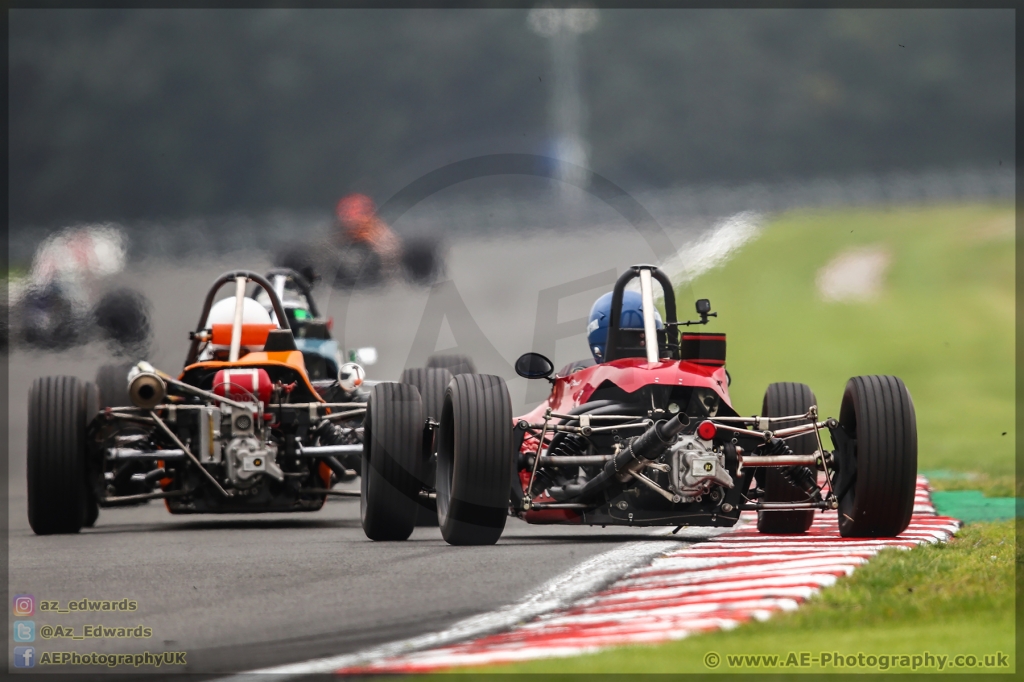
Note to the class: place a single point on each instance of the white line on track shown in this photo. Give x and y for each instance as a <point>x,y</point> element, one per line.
<point>558,593</point>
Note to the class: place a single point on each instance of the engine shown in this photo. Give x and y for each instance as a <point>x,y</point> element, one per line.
<point>695,469</point>
<point>229,436</point>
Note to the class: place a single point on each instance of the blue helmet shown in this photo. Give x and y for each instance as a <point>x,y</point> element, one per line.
<point>632,318</point>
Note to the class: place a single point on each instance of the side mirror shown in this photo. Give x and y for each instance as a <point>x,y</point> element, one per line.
<point>534,366</point>
<point>703,307</point>
<point>364,356</point>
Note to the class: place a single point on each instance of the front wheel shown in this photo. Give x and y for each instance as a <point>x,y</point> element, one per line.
<point>878,470</point>
<point>393,462</point>
<point>58,495</point>
<point>474,452</point>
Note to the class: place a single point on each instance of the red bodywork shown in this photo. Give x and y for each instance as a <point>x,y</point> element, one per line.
<point>243,384</point>
<point>629,374</point>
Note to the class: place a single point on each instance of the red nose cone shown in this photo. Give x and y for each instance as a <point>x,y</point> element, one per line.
<point>707,430</point>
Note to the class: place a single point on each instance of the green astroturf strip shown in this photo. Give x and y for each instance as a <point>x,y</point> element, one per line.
<point>971,505</point>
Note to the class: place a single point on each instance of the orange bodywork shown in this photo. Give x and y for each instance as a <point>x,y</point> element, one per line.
<point>325,476</point>
<point>286,358</point>
<point>252,334</point>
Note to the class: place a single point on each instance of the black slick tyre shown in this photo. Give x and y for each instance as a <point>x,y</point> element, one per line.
<point>122,317</point>
<point>432,384</point>
<point>877,497</point>
<point>393,461</point>
<point>784,399</point>
<point>112,381</point>
<point>420,261</point>
<point>454,363</point>
<point>93,473</point>
<point>474,451</point>
<point>56,456</point>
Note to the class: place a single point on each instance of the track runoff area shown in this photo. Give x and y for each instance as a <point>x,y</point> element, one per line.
<point>644,592</point>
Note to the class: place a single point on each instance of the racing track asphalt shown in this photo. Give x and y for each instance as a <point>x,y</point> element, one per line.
<point>242,592</point>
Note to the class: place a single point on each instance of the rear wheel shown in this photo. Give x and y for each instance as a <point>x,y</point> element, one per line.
<point>58,498</point>
<point>122,317</point>
<point>782,400</point>
<point>474,451</point>
<point>393,461</point>
<point>49,319</point>
<point>432,384</point>
<point>93,474</point>
<point>454,363</point>
<point>112,381</point>
<point>420,261</point>
<point>877,496</point>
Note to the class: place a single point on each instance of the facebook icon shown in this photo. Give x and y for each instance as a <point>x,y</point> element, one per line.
<point>24,657</point>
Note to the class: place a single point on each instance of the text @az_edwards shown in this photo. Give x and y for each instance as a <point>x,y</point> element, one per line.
<point>95,632</point>
<point>839,661</point>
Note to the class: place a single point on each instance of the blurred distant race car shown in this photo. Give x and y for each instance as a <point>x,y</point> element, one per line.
<point>646,435</point>
<point>242,428</point>
<point>363,251</point>
<point>60,304</point>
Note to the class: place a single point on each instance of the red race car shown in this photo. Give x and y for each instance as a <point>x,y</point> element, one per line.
<point>646,435</point>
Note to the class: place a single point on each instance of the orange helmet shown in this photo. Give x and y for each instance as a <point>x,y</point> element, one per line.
<point>354,209</point>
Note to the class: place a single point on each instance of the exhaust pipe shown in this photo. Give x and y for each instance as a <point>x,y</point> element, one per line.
<point>646,447</point>
<point>145,387</point>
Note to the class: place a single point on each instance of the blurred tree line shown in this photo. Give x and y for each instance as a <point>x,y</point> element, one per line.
<point>124,114</point>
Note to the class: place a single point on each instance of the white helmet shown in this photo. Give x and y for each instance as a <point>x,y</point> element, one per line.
<point>223,313</point>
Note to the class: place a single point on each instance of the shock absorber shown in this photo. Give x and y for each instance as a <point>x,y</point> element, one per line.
<point>803,478</point>
<point>332,434</point>
<point>571,445</point>
<point>799,476</point>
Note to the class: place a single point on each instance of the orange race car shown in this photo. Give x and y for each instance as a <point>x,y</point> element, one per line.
<point>242,428</point>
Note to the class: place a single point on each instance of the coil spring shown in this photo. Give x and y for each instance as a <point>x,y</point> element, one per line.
<point>571,445</point>
<point>803,478</point>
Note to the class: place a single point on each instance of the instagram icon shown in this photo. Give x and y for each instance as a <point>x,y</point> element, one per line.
<point>24,605</point>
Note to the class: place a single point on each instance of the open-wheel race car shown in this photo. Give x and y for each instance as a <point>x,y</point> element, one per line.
<point>646,435</point>
<point>245,427</point>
